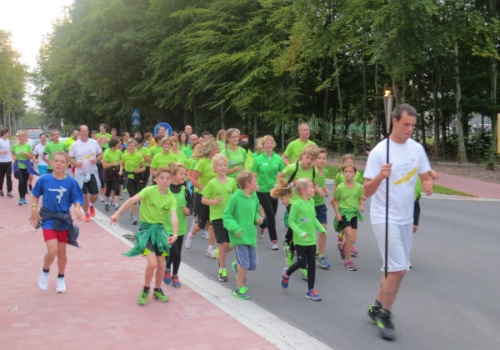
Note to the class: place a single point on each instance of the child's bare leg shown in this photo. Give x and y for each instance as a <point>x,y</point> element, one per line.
<point>224,248</point>
<point>211,236</point>
<point>150,269</point>
<point>347,242</point>
<point>62,259</point>
<point>322,241</point>
<point>160,268</point>
<point>52,252</point>
<point>242,274</point>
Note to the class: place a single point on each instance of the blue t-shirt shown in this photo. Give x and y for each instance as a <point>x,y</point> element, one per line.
<point>58,195</point>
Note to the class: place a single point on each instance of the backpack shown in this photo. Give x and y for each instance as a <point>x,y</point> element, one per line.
<point>292,177</point>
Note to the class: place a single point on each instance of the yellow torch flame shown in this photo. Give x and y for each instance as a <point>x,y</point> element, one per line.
<point>387,93</point>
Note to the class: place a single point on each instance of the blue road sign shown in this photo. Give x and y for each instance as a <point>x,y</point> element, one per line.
<point>136,116</point>
<point>168,128</point>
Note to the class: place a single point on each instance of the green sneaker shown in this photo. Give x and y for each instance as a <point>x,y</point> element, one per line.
<point>143,298</point>
<point>289,255</point>
<point>385,324</point>
<point>158,295</point>
<point>303,273</point>
<point>222,275</point>
<point>241,293</point>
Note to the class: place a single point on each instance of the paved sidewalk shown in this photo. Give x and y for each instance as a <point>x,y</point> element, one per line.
<point>99,310</point>
<point>475,187</point>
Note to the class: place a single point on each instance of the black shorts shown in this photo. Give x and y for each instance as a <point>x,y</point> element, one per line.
<point>221,234</point>
<point>90,186</point>
<point>416,212</point>
<point>154,249</point>
<point>202,210</point>
<point>353,223</point>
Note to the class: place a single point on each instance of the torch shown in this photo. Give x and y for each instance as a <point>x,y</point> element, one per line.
<point>388,98</point>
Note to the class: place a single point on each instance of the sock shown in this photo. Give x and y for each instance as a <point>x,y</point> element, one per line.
<point>210,247</point>
<point>221,269</point>
<point>157,289</point>
<point>91,205</point>
<point>60,275</point>
<point>45,270</point>
<point>146,289</point>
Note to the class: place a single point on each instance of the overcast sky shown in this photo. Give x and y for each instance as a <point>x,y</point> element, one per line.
<point>28,21</point>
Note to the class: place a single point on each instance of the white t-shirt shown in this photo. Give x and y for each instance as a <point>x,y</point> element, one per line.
<point>85,152</point>
<point>408,161</point>
<point>38,152</point>
<point>5,146</point>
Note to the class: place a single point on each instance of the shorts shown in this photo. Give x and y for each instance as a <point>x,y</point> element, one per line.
<point>90,186</point>
<point>416,212</point>
<point>221,234</point>
<point>50,234</point>
<point>202,211</point>
<point>246,257</point>
<point>400,242</point>
<point>43,169</point>
<point>353,223</point>
<point>152,248</point>
<point>321,213</point>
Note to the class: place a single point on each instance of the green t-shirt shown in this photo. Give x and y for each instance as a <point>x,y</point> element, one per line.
<point>155,207</point>
<point>236,159</point>
<point>108,136</point>
<point>162,160</point>
<point>340,178</point>
<point>17,149</point>
<point>69,142</point>
<point>301,173</point>
<point>153,151</point>
<point>204,168</point>
<point>112,156</point>
<point>215,189</point>
<point>295,148</point>
<point>267,169</point>
<point>348,197</point>
<point>132,162</point>
<point>302,219</point>
<point>188,151</point>
<point>180,199</point>
<point>180,157</point>
<point>52,148</point>
<point>319,200</point>
<point>222,145</point>
<point>145,152</point>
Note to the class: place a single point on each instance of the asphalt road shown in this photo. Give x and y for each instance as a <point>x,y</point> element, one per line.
<point>449,300</point>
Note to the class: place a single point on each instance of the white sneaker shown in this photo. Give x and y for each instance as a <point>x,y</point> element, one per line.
<point>189,240</point>
<point>274,245</point>
<point>205,234</point>
<point>101,198</point>
<point>43,280</point>
<point>61,286</point>
<point>210,253</point>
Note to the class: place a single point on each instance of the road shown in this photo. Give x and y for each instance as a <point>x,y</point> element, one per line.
<point>449,300</point>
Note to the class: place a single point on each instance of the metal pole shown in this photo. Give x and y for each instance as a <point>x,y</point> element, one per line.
<point>388,98</point>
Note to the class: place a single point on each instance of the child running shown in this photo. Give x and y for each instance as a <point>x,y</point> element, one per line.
<point>155,234</point>
<point>216,194</point>
<point>239,218</point>
<point>59,192</point>
<point>348,203</point>
<point>320,206</point>
<point>302,220</point>
<point>184,202</point>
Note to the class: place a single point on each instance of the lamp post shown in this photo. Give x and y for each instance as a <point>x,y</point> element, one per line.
<point>388,99</point>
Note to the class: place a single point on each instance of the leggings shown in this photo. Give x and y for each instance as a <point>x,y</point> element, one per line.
<point>6,172</point>
<point>100,171</point>
<point>133,187</point>
<point>22,177</point>
<point>289,234</point>
<point>305,254</point>
<point>113,185</point>
<point>175,255</point>
<point>270,206</point>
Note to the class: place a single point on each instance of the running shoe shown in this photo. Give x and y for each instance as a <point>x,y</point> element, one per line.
<point>222,275</point>
<point>288,255</point>
<point>189,240</point>
<point>285,279</point>
<point>43,280</point>
<point>158,295</point>
<point>313,295</point>
<point>354,252</point>
<point>216,253</point>
<point>261,232</point>
<point>106,207</point>
<point>92,210</point>
<point>117,207</point>
<point>303,274</point>
<point>349,266</point>
<point>204,234</point>
<point>322,262</point>
<point>9,194</point>
<point>167,278</point>
<point>143,298</point>
<point>134,220</point>
<point>24,200</point>
<point>61,285</point>
<point>385,324</point>
<point>101,198</point>
<point>20,203</point>
<point>241,293</point>
<point>373,312</point>
<point>175,281</point>
<point>87,217</point>
<point>210,252</point>
<point>341,251</point>
<point>274,245</point>
<point>1,194</point>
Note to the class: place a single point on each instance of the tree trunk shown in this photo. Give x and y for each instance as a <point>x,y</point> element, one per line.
<point>326,97</point>
<point>436,83</point>
<point>222,117</point>
<point>462,156</point>
<point>363,123</point>
<point>493,87</point>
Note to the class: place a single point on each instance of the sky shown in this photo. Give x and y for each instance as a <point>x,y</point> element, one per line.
<point>28,21</point>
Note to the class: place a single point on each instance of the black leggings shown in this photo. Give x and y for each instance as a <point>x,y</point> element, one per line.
<point>289,233</point>
<point>304,255</point>
<point>133,187</point>
<point>175,255</point>
<point>22,177</point>
<point>270,206</point>
<point>100,171</point>
<point>113,185</point>
<point>6,172</point>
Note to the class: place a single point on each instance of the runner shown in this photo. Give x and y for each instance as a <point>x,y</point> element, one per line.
<point>267,166</point>
<point>5,163</point>
<point>164,158</point>
<point>155,235</point>
<point>320,206</point>
<point>295,148</point>
<point>146,153</point>
<point>102,132</point>
<point>180,157</point>
<point>407,160</point>
<point>221,140</point>
<point>84,155</point>
<point>235,154</point>
<point>112,173</point>
<point>52,147</point>
<point>59,193</point>
<point>239,218</point>
<point>183,141</point>
<point>21,154</point>
<point>71,139</point>
<point>133,168</point>
<point>161,134</point>
<point>103,143</point>
<point>41,165</point>
<point>193,141</point>
<point>304,224</point>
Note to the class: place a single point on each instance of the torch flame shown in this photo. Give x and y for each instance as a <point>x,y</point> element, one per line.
<point>387,93</point>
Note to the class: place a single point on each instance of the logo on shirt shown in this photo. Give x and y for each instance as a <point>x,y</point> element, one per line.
<point>61,191</point>
<point>407,177</point>
<point>304,220</point>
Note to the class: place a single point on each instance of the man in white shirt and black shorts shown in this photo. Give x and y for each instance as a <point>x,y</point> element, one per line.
<point>84,155</point>
<point>407,160</point>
